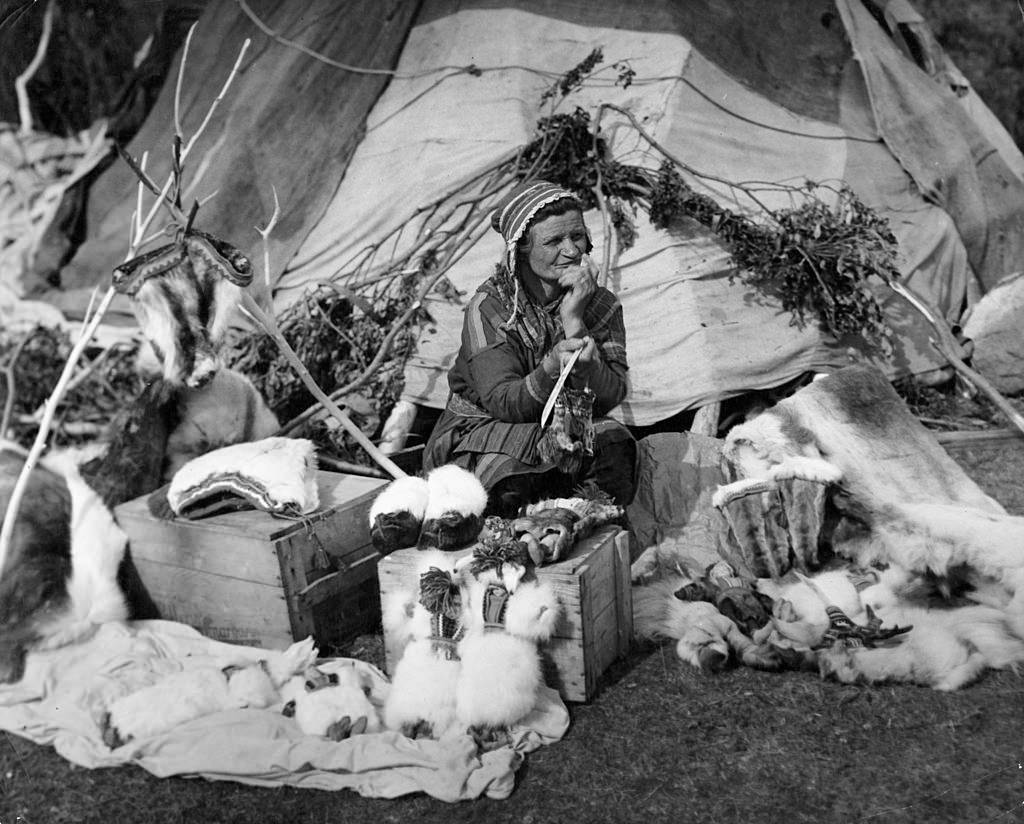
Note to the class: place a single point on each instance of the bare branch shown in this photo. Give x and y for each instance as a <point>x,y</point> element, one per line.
<point>216,101</point>
<point>21,81</point>
<point>181,77</point>
<point>88,331</point>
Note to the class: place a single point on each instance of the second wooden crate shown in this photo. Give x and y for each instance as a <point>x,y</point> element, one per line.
<point>596,624</point>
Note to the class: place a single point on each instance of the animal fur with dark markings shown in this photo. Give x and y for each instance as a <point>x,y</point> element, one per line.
<point>184,313</point>
<point>39,552</point>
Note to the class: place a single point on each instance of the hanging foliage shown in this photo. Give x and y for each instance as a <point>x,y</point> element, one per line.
<point>335,338</point>
<point>816,258</point>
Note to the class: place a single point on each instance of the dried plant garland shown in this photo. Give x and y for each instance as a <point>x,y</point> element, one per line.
<point>817,258</point>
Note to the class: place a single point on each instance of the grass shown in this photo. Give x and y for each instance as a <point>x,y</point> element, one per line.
<point>661,742</point>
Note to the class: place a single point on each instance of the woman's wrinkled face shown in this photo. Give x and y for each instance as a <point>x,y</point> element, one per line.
<point>555,244</point>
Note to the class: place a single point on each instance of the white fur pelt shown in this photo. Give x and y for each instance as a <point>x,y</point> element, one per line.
<point>799,618</point>
<point>946,649</point>
<point>934,537</point>
<point>704,637</point>
<point>501,668</point>
<point>424,683</point>
<point>97,548</point>
<point>201,690</point>
<point>185,696</point>
<point>774,446</point>
<point>331,709</point>
<point>905,502</point>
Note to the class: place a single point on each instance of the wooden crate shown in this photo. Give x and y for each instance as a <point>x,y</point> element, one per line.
<point>597,610</point>
<point>250,578</point>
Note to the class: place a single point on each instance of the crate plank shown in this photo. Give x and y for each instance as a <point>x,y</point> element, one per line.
<point>227,609</point>
<point>249,577</point>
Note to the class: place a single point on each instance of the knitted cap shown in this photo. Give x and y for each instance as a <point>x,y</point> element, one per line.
<point>513,214</point>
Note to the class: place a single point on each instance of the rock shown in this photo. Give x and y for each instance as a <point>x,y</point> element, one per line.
<point>994,324</point>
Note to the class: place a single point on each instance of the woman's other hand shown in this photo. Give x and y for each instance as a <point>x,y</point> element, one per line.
<point>555,360</point>
<point>579,283</point>
<point>558,357</point>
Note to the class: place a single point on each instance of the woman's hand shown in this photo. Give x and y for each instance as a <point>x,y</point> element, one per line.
<point>579,283</point>
<point>558,357</point>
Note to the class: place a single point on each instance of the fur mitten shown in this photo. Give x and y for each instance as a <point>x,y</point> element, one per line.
<point>506,616</point>
<point>422,696</point>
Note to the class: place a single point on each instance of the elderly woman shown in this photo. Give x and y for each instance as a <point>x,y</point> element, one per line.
<point>524,323</point>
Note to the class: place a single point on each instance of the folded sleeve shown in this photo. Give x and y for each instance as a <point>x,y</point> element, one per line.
<point>508,380</point>
<point>606,377</point>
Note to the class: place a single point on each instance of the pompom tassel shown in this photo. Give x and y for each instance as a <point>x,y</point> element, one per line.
<point>439,593</point>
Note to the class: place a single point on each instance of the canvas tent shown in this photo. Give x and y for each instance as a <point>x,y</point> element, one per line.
<point>782,92</point>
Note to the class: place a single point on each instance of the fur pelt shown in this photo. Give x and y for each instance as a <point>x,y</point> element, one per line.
<point>904,501</point>
<point>834,587</point>
<point>937,537</point>
<point>97,549</point>
<point>185,696</point>
<point>184,315</point>
<point>204,689</point>
<point>947,648</point>
<point>704,637</point>
<point>60,580</point>
<point>33,582</point>
<point>226,410</point>
<point>775,446</point>
<point>336,708</point>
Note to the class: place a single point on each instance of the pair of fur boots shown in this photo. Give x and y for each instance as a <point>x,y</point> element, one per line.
<point>444,511</point>
<point>471,630</point>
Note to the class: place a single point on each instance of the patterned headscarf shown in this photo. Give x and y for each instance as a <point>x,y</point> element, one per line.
<point>512,215</point>
<point>510,218</point>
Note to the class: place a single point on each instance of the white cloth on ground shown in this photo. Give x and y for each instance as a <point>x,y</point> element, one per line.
<point>64,692</point>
